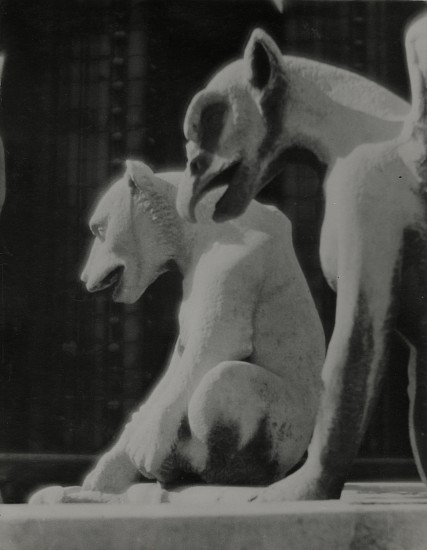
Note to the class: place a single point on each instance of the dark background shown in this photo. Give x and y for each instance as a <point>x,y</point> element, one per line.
<point>86,85</point>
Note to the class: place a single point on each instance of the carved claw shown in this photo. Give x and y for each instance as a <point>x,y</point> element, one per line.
<point>299,486</point>
<point>113,473</point>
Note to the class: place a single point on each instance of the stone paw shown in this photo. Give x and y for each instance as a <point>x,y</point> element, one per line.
<point>114,473</point>
<point>53,495</point>
<point>146,493</point>
<point>301,485</point>
<point>73,495</point>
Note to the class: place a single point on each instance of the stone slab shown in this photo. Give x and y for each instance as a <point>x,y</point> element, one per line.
<point>386,516</point>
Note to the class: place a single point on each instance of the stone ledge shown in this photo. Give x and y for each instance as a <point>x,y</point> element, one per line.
<point>386,516</point>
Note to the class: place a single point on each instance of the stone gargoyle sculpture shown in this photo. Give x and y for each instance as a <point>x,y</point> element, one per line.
<point>374,234</point>
<point>238,400</point>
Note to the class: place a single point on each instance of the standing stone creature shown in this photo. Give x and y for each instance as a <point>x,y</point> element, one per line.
<point>374,254</point>
<point>238,400</point>
<point>373,237</point>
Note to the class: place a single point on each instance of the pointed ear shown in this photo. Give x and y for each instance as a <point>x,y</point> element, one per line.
<point>263,60</point>
<point>138,173</point>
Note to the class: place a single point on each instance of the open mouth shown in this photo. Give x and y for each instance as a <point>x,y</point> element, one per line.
<point>236,197</point>
<point>112,280</point>
<point>224,177</point>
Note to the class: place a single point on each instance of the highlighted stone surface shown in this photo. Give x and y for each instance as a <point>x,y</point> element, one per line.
<point>389,516</point>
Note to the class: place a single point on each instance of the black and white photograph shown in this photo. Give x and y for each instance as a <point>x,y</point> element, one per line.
<point>213,275</point>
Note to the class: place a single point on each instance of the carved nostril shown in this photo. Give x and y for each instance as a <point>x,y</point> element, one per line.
<point>199,165</point>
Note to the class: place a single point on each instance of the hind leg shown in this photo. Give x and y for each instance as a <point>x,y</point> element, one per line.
<point>245,425</point>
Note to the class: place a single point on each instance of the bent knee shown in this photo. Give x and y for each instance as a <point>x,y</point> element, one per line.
<point>234,393</point>
<point>242,416</point>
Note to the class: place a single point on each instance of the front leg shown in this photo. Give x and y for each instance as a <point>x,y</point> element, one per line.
<point>367,261</point>
<point>417,391</point>
<point>150,433</point>
<point>353,371</point>
<point>114,471</point>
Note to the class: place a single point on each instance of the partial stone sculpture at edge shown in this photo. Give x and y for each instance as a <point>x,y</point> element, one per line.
<point>2,159</point>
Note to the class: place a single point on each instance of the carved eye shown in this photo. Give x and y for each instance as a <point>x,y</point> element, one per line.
<point>180,347</point>
<point>132,185</point>
<point>98,231</point>
<point>211,124</point>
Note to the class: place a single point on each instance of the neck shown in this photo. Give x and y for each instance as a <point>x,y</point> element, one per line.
<point>188,239</point>
<point>416,123</point>
<point>419,98</point>
<point>416,60</point>
<point>413,150</point>
<point>327,116</point>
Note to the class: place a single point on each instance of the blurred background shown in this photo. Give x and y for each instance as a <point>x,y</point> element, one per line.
<point>87,84</point>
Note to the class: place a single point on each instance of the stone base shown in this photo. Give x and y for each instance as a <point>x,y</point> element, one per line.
<point>386,516</point>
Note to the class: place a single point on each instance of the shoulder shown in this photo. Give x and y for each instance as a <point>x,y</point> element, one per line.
<point>267,224</point>
<point>366,164</point>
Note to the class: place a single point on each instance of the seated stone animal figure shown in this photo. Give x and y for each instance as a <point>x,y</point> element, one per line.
<point>239,129</point>
<point>238,400</point>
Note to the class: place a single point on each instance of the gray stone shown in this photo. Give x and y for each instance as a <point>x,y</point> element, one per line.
<point>386,516</point>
